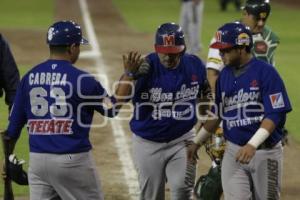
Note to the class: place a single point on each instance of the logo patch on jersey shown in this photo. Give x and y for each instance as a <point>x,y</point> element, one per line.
<point>169,40</point>
<point>254,85</point>
<point>260,47</point>
<point>277,100</point>
<point>243,39</point>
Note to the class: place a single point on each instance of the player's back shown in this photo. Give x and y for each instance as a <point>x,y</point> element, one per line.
<point>56,104</point>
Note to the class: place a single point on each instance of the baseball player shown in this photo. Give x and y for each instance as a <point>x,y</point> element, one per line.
<point>164,115</point>
<point>255,14</point>
<point>56,101</point>
<point>224,3</point>
<point>191,15</point>
<point>9,80</point>
<point>252,102</point>
<point>9,73</point>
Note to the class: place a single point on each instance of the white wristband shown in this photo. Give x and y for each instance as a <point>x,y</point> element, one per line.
<point>201,137</point>
<point>259,137</point>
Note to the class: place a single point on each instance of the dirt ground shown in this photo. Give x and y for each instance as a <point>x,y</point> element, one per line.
<point>116,39</point>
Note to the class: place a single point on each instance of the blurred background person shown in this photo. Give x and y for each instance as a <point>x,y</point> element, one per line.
<point>191,22</point>
<point>9,73</point>
<point>224,3</point>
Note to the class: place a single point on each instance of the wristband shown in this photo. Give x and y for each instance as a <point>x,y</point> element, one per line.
<point>128,73</point>
<point>259,137</point>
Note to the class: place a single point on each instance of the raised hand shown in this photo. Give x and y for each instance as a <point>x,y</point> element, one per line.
<point>132,62</point>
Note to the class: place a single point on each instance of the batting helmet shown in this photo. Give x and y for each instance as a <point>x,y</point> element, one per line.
<point>233,34</point>
<point>169,39</point>
<point>259,8</point>
<point>65,33</point>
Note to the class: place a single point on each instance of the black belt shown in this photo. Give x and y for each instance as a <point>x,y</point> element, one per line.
<point>266,145</point>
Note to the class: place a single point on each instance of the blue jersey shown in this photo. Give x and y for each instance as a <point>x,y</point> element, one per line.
<point>57,102</point>
<point>165,99</point>
<point>245,100</point>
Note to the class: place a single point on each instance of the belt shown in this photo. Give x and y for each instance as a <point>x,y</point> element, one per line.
<point>266,145</point>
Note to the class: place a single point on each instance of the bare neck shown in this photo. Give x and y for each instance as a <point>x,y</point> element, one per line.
<point>60,57</point>
<point>245,59</point>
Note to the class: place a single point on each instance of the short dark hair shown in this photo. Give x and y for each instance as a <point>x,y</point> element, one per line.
<point>60,48</point>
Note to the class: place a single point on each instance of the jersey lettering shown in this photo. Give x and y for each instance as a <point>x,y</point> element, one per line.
<point>50,127</point>
<point>239,99</point>
<point>47,79</point>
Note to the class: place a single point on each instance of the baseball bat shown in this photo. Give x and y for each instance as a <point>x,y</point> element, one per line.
<point>8,190</point>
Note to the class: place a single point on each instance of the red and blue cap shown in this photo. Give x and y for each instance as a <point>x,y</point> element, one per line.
<point>232,34</point>
<point>169,39</point>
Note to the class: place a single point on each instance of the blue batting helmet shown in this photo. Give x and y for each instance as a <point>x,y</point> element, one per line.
<point>169,39</point>
<point>65,33</point>
<point>233,34</point>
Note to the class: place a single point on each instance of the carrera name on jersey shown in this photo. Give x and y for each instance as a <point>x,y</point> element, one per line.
<point>42,78</point>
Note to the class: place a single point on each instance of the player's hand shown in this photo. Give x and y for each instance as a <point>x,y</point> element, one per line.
<point>132,62</point>
<point>192,150</point>
<point>245,154</point>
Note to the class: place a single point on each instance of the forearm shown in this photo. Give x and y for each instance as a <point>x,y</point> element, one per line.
<point>124,89</point>
<point>266,129</point>
<point>204,105</point>
<point>212,76</point>
<point>206,130</point>
<point>8,143</point>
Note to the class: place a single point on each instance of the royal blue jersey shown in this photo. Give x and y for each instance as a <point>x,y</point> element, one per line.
<point>245,100</point>
<point>56,101</point>
<point>165,99</point>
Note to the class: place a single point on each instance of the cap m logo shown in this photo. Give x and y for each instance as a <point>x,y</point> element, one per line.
<point>169,40</point>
